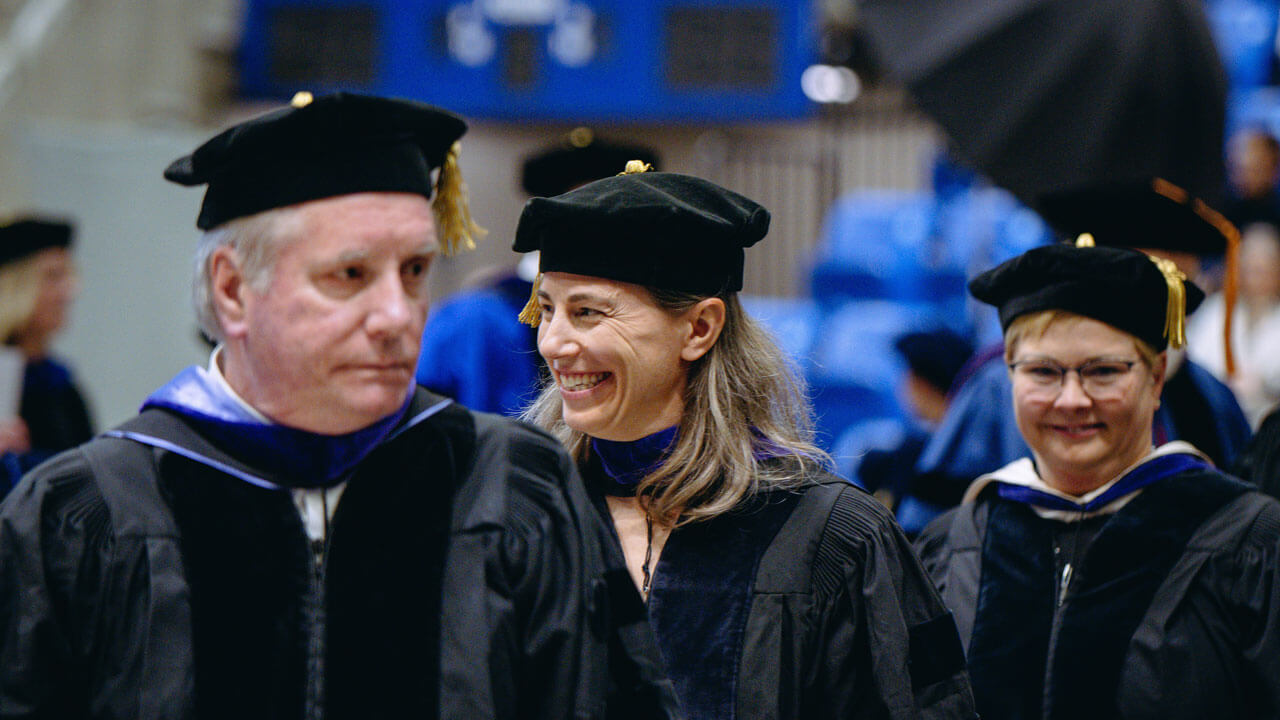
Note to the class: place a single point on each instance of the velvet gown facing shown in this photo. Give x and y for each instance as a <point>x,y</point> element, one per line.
<point>804,603</point>
<point>1170,608</point>
<point>56,414</point>
<point>151,573</point>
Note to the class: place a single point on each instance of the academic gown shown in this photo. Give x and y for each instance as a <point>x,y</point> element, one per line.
<point>1260,462</point>
<point>801,604</point>
<point>1171,609</point>
<point>151,574</point>
<point>476,351</point>
<point>56,415</point>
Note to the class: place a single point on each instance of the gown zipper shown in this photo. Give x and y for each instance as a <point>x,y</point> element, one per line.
<point>314,612</point>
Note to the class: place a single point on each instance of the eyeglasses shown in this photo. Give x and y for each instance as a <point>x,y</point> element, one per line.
<point>1099,378</point>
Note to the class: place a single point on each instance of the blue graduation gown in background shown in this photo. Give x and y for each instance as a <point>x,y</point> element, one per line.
<point>56,415</point>
<point>476,352</point>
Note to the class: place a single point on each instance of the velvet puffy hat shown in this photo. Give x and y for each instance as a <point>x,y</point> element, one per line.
<point>660,230</point>
<point>1126,289</point>
<point>26,235</point>
<point>580,159</point>
<point>935,356</point>
<point>1155,214</point>
<point>328,146</point>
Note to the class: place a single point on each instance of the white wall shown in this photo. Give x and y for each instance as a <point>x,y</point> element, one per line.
<point>132,327</point>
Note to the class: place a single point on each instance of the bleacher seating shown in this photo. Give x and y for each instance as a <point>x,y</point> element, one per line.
<point>891,262</point>
<point>792,321</point>
<point>1245,33</point>
<point>870,241</point>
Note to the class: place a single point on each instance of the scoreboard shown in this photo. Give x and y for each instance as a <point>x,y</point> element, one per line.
<point>575,60</point>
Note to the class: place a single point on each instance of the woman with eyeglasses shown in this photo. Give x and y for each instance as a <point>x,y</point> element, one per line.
<point>1103,577</point>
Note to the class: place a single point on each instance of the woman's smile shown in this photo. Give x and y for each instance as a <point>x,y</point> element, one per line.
<point>580,382</point>
<point>1078,431</point>
<point>615,355</point>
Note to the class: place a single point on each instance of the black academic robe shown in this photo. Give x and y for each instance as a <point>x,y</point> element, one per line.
<point>56,415</point>
<point>1171,610</point>
<point>802,604</point>
<point>463,577</point>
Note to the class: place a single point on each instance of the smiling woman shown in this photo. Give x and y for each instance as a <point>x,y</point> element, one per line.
<point>692,435</point>
<point>1107,568</point>
<point>1084,430</point>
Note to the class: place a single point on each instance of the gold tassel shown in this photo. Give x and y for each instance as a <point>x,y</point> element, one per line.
<point>1230,290</point>
<point>1084,240</point>
<point>1175,312</point>
<point>531,315</point>
<point>1171,191</point>
<point>458,231</point>
<point>1230,282</point>
<point>1230,279</point>
<point>636,166</point>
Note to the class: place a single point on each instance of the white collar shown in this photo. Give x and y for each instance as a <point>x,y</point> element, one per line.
<point>1023,472</point>
<point>216,373</point>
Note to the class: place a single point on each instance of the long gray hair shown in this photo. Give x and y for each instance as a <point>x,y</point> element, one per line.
<point>743,400</point>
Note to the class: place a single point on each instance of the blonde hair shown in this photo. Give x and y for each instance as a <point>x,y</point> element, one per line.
<point>742,397</point>
<point>255,239</point>
<point>1035,325</point>
<point>19,289</point>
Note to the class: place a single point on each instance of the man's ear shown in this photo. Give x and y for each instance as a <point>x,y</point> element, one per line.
<point>227,289</point>
<point>706,320</point>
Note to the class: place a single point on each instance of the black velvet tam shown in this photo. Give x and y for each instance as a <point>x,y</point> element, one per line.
<point>660,230</point>
<point>1118,286</point>
<point>1156,214</point>
<point>318,148</point>
<point>935,356</point>
<point>28,235</point>
<point>578,161</point>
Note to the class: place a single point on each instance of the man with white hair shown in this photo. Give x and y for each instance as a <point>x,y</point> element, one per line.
<point>297,530</point>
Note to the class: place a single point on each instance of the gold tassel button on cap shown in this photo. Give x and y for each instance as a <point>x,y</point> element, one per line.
<point>635,166</point>
<point>301,99</point>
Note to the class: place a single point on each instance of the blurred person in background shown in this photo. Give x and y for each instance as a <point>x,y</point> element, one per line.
<point>976,435</point>
<point>1257,380</point>
<point>1255,326</point>
<point>37,287</point>
<point>776,589</point>
<point>933,360</point>
<point>1107,574</point>
<point>296,530</point>
<point>1253,176</point>
<point>473,348</point>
